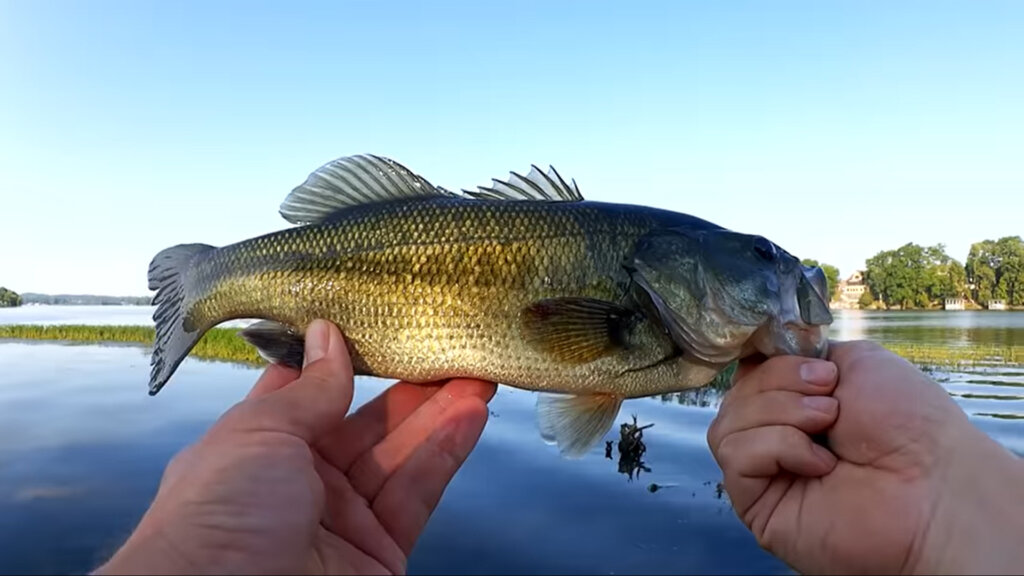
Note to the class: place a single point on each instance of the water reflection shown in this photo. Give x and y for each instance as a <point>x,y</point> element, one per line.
<point>709,396</point>
<point>82,448</point>
<point>958,328</point>
<point>631,449</point>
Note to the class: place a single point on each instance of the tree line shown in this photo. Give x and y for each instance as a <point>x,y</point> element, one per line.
<point>9,298</point>
<point>85,299</point>
<point>916,276</point>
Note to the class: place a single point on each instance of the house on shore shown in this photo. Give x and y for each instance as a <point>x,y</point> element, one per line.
<point>955,304</point>
<point>996,305</point>
<point>849,292</point>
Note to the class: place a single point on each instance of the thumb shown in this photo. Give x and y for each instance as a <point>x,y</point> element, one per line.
<point>320,397</point>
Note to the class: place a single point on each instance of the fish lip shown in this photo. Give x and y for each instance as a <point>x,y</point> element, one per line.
<point>811,304</point>
<point>815,334</point>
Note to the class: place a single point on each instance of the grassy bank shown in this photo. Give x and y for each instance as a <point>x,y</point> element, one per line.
<point>217,344</point>
<point>938,355</point>
<point>225,344</point>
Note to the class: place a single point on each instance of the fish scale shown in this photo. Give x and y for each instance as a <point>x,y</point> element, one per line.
<point>422,305</point>
<point>523,283</point>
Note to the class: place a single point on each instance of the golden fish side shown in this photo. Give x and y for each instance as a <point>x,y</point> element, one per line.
<point>521,283</point>
<point>438,288</point>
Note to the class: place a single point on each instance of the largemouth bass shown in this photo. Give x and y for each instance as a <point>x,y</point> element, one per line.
<point>523,283</point>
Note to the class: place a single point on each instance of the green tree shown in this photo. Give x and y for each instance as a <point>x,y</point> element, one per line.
<point>995,270</point>
<point>945,276</point>
<point>914,276</point>
<point>9,298</point>
<point>866,298</point>
<point>831,275</point>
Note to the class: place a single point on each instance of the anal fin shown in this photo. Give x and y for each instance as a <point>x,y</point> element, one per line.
<point>276,342</point>
<point>576,423</point>
<point>576,330</point>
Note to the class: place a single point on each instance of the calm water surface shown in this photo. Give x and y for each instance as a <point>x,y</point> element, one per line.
<point>82,447</point>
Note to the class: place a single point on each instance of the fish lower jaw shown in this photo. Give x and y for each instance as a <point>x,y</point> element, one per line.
<point>793,339</point>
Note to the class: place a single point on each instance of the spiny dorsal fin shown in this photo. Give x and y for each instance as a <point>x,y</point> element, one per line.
<point>535,186</point>
<point>575,423</point>
<point>576,330</point>
<point>350,181</point>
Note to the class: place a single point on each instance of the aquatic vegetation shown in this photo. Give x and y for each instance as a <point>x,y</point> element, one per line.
<point>225,344</point>
<point>217,344</point>
<point>940,355</point>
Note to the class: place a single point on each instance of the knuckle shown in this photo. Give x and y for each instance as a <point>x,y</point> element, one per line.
<point>725,454</point>
<point>712,434</point>
<point>790,438</point>
<point>782,366</point>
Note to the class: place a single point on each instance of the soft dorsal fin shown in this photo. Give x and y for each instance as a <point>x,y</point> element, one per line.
<point>534,186</point>
<point>350,181</point>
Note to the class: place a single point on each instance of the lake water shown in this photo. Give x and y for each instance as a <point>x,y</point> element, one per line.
<point>82,448</point>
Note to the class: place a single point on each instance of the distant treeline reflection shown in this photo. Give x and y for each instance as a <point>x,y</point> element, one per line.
<point>707,396</point>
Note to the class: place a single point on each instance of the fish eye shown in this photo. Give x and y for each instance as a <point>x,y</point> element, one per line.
<point>764,249</point>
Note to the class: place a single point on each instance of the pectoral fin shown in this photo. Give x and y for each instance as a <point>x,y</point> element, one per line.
<point>576,423</point>
<point>577,330</point>
<point>276,342</point>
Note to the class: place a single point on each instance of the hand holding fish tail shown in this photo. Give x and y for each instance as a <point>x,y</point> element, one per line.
<point>906,485</point>
<point>285,482</point>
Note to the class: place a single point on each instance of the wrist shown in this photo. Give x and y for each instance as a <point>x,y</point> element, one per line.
<point>978,517</point>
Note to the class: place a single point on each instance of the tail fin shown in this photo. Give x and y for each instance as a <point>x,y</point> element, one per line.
<point>168,275</point>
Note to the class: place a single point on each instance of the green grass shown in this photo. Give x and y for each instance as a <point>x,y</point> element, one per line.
<point>225,344</point>
<point>217,344</point>
<point>939,355</point>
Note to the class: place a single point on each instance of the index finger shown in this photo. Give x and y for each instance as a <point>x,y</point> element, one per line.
<point>799,374</point>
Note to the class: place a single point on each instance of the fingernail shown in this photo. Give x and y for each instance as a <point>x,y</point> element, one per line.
<point>824,404</point>
<point>818,372</point>
<point>317,341</point>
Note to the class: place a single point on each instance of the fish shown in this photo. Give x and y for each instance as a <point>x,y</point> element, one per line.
<point>521,282</point>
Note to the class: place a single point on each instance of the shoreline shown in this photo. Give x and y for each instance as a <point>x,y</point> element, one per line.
<point>217,344</point>
<point>224,343</point>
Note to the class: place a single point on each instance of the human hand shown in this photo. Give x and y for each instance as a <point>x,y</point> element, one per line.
<point>907,485</point>
<point>285,483</point>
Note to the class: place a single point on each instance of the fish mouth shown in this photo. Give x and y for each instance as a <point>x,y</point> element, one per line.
<point>792,339</point>
<point>810,298</point>
<point>802,327</point>
<point>810,341</point>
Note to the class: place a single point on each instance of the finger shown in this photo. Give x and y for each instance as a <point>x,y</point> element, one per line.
<point>809,414</point>
<point>318,400</point>
<point>749,457</point>
<point>767,451</point>
<point>350,518</point>
<point>373,421</point>
<point>844,352</point>
<point>371,469</point>
<point>274,377</point>
<point>793,373</point>
<point>410,496</point>
<point>747,365</point>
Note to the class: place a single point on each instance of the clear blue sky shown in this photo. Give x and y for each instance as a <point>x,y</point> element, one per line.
<point>837,129</point>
